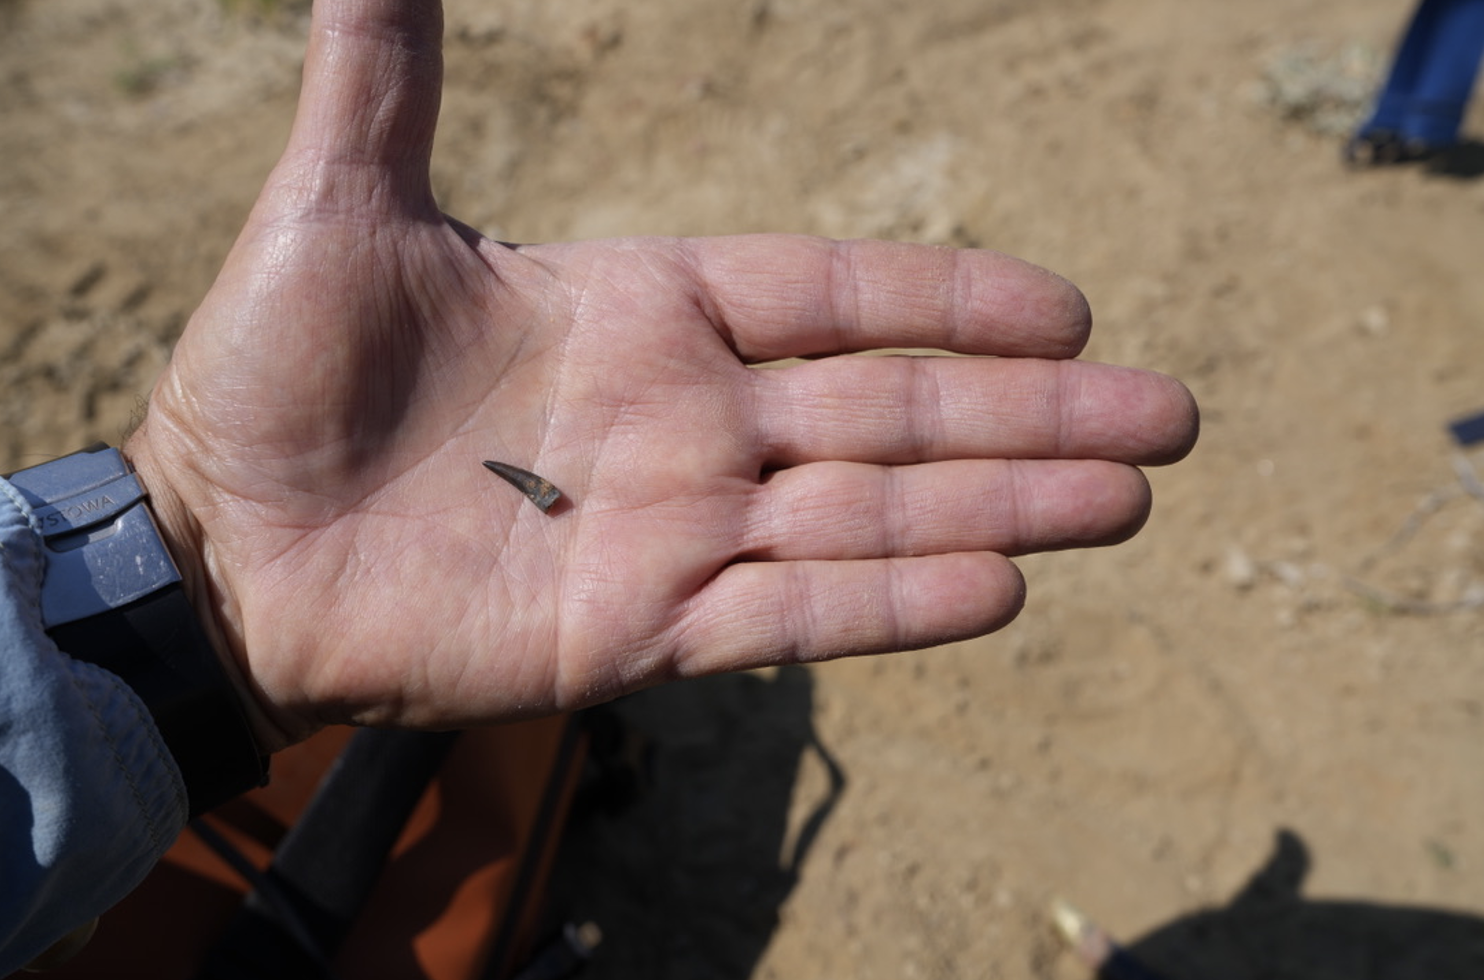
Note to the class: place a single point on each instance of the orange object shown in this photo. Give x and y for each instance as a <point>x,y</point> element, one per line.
<point>458,896</point>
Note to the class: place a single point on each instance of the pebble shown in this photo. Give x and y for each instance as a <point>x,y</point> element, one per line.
<point>1240,569</point>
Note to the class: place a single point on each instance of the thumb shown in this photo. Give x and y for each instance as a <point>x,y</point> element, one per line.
<point>373,77</point>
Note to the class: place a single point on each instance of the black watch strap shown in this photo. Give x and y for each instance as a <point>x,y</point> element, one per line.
<point>112,596</point>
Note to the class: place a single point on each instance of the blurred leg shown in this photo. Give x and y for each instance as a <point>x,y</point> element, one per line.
<point>1428,89</point>
<point>1447,74</point>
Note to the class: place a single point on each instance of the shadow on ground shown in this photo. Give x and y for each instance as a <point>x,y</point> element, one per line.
<point>1269,931</point>
<point>1464,161</point>
<point>686,873</point>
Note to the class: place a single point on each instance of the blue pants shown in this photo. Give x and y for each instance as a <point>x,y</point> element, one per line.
<point>1433,74</point>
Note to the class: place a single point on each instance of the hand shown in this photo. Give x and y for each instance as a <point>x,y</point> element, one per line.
<point>314,448</point>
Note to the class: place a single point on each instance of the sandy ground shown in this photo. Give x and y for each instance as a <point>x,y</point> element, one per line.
<point>1250,742</point>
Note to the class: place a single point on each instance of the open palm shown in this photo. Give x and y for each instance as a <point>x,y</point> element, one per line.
<point>314,448</point>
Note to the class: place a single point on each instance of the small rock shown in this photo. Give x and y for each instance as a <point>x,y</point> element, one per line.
<point>1375,321</point>
<point>1240,569</point>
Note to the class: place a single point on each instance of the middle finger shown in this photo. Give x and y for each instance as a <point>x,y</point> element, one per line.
<point>918,409</point>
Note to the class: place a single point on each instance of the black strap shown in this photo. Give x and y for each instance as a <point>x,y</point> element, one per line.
<point>325,867</point>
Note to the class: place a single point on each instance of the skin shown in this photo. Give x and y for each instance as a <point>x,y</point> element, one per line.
<point>313,451</point>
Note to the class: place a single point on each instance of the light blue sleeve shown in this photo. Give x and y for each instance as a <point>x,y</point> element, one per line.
<point>90,797</point>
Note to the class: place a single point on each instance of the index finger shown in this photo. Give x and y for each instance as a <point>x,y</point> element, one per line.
<point>778,296</point>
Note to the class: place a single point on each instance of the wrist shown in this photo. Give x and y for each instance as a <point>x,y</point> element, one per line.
<point>215,605</point>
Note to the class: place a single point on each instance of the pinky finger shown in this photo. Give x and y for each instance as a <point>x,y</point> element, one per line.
<point>759,614</point>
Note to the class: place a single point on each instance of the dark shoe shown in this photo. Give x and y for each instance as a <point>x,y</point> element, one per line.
<point>1385,149</point>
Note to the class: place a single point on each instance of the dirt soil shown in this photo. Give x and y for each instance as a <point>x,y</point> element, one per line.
<point>1250,742</point>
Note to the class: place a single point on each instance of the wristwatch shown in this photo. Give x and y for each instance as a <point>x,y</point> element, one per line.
<point>112,596</point>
